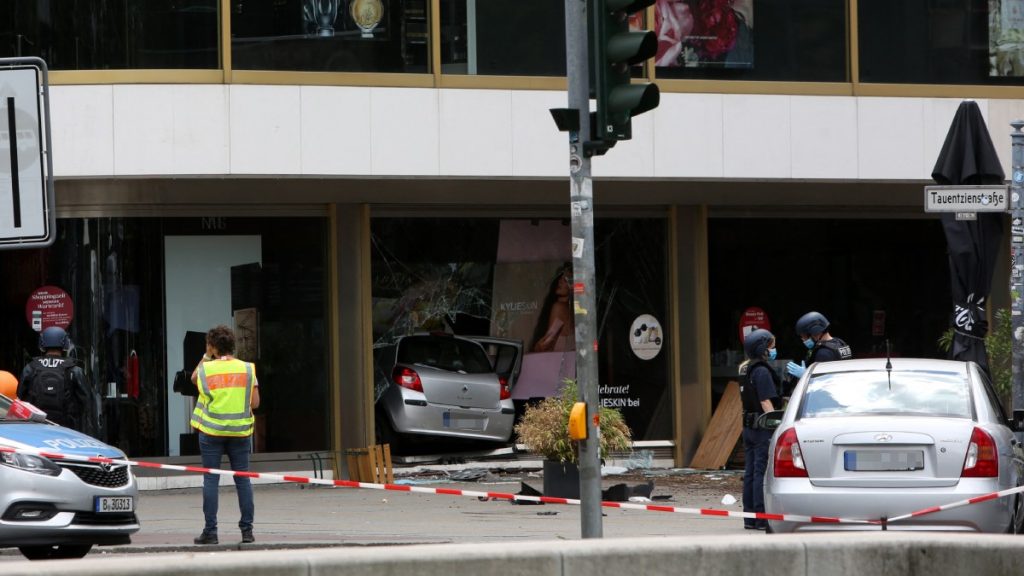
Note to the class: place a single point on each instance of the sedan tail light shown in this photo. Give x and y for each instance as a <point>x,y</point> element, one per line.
<point>506,393</point>
<point>982,459</point>
<point>789,462</point>
<point>407,378</point>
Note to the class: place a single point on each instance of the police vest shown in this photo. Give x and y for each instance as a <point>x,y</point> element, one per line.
<point>225,393</point>
<point>840,349</point>
<point>748,391</point>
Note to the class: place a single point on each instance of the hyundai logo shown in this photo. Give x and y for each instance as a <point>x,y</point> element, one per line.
<point>883,437</point>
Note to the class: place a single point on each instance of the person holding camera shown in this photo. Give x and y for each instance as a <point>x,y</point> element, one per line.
<point>228,393</point>
<point>759,392</point>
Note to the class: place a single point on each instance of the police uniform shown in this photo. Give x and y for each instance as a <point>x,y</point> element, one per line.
<point>829,350</point>
<point>223,416</point>
<point>759,383</point>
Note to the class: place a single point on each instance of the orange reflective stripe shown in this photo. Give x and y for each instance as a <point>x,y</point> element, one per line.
<point>229,380</point>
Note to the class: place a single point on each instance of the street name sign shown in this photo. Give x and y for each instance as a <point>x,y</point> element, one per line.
<point>964,199</point>
<point>28,216</point>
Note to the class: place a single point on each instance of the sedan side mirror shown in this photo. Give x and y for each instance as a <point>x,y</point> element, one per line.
<point>769,420</point>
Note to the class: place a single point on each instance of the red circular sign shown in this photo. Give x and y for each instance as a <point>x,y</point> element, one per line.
<point>752,319</point>
<point>49,306</point>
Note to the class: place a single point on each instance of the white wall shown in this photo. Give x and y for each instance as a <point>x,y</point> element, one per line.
<point>129,130</point>
<point>198,288</point>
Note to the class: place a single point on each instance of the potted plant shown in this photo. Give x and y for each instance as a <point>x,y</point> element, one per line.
<point>544,430</point>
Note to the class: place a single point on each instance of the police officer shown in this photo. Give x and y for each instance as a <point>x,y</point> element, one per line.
<point>759,392</point>
<point>55,383</point>
<point>228,393</point>
<point>822,346</point>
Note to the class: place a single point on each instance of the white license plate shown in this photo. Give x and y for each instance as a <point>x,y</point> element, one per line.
<point>451,421</point>
<point>114,504</point>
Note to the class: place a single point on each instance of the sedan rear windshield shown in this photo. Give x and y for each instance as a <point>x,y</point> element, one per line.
<point>445,353</point>
<point>917,393</point>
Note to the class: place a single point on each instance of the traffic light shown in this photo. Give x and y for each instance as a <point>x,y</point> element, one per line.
<point>613,49</point>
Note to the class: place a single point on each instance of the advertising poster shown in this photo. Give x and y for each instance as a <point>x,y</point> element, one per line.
<point>533,302</point>
<point>704,33</point>
<point>1006,37</point>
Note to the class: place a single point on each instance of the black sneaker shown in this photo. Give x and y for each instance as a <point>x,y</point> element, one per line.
<point>247,537</point>
<point>206,538</point>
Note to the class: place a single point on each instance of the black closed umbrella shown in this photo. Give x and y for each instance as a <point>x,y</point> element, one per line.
<point>968,157</point>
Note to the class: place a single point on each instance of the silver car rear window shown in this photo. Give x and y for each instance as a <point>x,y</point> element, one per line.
<point>443,352</point>
<point>917,393</point>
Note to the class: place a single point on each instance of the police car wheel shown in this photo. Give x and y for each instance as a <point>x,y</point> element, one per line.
<point>58,552</point>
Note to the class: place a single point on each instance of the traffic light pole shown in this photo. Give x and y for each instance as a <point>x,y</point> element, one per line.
<point>584,301</point>
<point>1017,271</point>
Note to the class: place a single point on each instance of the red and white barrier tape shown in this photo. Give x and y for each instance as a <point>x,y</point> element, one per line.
<point>516,497</point>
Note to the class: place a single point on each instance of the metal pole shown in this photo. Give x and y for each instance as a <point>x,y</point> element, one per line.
<point>584,301</point>
<point>1017,268</point>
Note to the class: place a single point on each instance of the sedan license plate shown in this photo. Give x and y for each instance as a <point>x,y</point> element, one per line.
<point>883,461</point>
<point>114,504</point>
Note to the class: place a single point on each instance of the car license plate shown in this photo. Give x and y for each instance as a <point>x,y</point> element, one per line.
<point>883,460</point>
<point>448,420</point>
<point>106,504</point>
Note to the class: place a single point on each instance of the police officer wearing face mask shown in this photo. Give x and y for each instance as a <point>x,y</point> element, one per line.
<point>823,347</point>
<point>759,391</point>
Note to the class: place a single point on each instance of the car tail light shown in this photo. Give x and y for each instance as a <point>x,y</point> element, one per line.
<point>407,378</point>
<point>982,456</point>
<point>506,393</point>
<point>789,462</point>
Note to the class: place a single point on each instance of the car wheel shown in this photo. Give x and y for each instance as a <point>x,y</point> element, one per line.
<point>386,433</point>
<point>58,552</point>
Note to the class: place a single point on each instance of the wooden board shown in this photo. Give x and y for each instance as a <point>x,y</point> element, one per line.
<point>723,431</point>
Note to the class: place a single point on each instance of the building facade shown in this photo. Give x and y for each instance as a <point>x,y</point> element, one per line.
<point>325,176</point>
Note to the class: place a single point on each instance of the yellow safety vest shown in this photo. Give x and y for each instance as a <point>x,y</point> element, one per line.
<point>225,392</point>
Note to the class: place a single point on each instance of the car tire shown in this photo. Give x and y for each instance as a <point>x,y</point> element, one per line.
<point>386,433</point>
<point>57,552</point>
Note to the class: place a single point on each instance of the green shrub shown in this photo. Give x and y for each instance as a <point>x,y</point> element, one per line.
<point>544,428</point>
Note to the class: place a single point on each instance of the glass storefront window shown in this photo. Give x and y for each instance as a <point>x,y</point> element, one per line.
<point>793,41</point>
<point>331,35</point>
<point>112,34</point>
<point>145,290</point>
<point>501,277</point>
<point>499,38</point>
<point>941,42</point>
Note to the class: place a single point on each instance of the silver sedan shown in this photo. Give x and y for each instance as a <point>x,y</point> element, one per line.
<point>875,438</point>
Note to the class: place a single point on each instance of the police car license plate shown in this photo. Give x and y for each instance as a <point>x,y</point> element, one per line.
<point>105,504</point>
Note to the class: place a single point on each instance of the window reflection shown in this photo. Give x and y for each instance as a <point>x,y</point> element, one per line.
<point>330,35</point>
<point>112,34</point>
<point>501,38</point>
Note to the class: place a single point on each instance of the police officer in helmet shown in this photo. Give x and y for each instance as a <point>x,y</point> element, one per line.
<point>55,383</point>
<point>822,346</point>
<point>759,391</point>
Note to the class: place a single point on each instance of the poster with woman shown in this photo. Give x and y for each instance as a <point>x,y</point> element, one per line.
<point>533,302</point>
<point>704,33</point>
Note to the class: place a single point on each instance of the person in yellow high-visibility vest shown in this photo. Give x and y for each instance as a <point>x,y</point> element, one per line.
<point>228,393</point>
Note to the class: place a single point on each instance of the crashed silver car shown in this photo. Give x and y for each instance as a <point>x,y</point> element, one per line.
<point>874,439</point>
<point>442,385</point>
<point>61,508</point>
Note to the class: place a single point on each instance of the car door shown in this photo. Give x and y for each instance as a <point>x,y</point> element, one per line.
<point>506,356</point>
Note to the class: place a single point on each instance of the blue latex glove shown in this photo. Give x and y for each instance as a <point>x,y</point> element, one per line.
<point>796,370</point>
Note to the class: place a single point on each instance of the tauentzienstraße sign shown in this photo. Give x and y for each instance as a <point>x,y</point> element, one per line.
<point>988,198</point>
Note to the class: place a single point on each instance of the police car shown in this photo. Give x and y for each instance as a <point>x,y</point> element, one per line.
<point>60,508</point>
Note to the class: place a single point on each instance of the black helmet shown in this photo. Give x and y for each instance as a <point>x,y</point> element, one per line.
<point>812,323</point>
<point>53,337</point>
<point>756,343</point>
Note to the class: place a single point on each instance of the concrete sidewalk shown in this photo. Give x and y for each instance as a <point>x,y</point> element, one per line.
<point>293,516</point>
